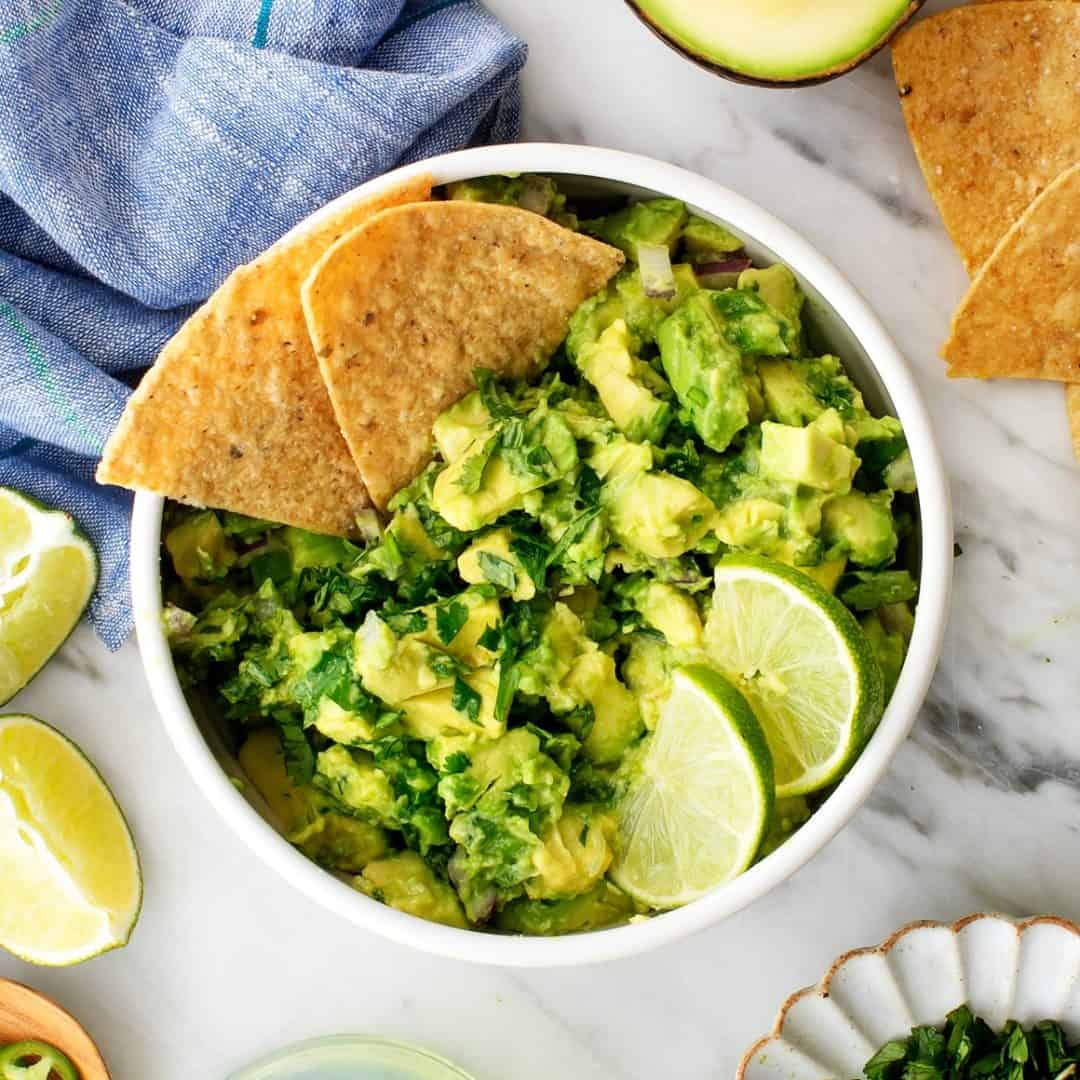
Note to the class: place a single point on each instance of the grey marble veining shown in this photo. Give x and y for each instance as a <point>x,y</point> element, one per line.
<point>981,808</point>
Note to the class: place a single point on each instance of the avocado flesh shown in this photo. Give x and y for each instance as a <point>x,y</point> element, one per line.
<point>778,40</point>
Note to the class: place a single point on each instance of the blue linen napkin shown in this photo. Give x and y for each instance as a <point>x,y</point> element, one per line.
<point>148,147</point>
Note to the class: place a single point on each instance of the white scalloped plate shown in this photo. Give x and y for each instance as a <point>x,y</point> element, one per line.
<point>1004,969</point>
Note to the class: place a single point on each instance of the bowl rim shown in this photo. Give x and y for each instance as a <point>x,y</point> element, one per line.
<point>925,646</point>
<point>823,986</point>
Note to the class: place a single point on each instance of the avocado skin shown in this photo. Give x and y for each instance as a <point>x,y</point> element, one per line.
<point>782,84</point>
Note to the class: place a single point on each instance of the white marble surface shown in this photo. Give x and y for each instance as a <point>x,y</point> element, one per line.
<point>981,808</point>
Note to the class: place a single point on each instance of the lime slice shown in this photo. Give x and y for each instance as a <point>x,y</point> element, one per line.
<point>47,572</point>
<point>804,664</point>
<point>71,882</point>
<point>695,813</point>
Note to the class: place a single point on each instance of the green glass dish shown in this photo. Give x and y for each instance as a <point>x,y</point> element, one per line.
<point>351,1057</point>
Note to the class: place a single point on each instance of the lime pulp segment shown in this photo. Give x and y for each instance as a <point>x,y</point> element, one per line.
<point>694,815</point>
<point>47,572</point>
<point>804,664</point>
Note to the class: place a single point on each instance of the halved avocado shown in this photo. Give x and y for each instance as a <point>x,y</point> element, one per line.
<point>776,42</point>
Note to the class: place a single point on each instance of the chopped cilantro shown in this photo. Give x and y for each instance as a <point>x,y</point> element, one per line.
<point>449,619</point>
<point>967,1048</point>
<point>445,666</point>
<point>466,700</point>
<point>572,534</point>
<point>498,571</point>
<point>406,622</point>
<point>473,467</point>
<point>495,398</point>
<point>491,638</point>
<point>299,757</point>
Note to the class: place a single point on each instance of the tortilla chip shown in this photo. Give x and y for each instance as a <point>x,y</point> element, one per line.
<point>405,307</point>
<point>234,413</point>
<point>1072,410</point>
<point>1021,315</point>
<point>989,94</point>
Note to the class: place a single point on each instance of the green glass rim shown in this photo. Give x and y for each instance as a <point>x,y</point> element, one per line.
<point>293,1054</point>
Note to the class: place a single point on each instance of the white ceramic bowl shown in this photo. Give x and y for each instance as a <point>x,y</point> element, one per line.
<point>1027,971</point>
<point>854,333</point>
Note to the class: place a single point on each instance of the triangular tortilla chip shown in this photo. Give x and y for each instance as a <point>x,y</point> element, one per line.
<point>1072,410</point>
<point>405,307</point>
<point>234,413</point>
<point>1021,315</point>
<point>989,94</point>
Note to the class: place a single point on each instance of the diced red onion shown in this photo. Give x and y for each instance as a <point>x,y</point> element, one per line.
<point>657,277</point>
<point>723,266</point>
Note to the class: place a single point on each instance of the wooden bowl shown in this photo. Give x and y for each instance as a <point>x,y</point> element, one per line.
<point>26,1014</point>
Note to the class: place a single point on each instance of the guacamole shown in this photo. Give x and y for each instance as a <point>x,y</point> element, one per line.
<point>444,710</point>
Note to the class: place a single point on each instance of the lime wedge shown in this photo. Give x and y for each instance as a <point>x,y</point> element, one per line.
<point>70,873</point>
<point>47,572</point>
<point>804,664</point>
<point>698,804</point>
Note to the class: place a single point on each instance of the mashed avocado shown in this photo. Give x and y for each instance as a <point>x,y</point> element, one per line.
<point>442,710</point>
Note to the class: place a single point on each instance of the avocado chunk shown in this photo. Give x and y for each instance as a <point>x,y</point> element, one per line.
<point>446,713</point>
<point>619,459</point>
<point>878,442</point>
<point>500,467</point>
<point>889,648</point>
<point>751,523</point>
<point>531,192</point>
<point>861,527</point>
<point>457,624</point>
<point>313,549</point>
<point>342,725</point>
<point>620,380</point>
<point>352,778</point>
<point>669,610</point>
<point>500,804</point>
<point>644,314</point>
<point>867,590</point>
<point>788,397</point>
<point>396,669</point>
<point>773,44</point>
<point>305,815</point>
<point>456,427</point>
<point>199,548</point>
<point>592,318</point>
<point>899,474</point>
<point>614,722</point>
<point>705,371</point>
<point>657,514</point>
<point>654,221</point>
<point>625,298</point>
<point>581,684</point>
<point>412,538</point>
<point>647,671</point>
<point>827,573</point>
<point>404,881</point>
<point>749,323</point>
<point>574,855</point>
<point>702,237</point>
<point>776,285</point>
<point>807,455</point>
<point>604,905</point>
<point>491,559</point>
